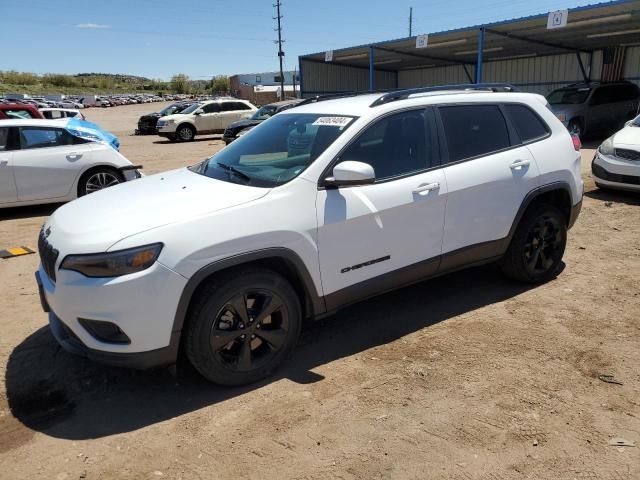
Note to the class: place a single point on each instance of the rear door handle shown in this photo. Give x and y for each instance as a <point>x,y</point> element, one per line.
<point>518,164</point>
<point>4,162</point>
<point>427,187</point>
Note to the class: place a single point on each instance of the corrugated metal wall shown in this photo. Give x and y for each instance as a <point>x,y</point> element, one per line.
<point>435,76</point>
<point>535,74</point>
<point>632,65</point>
<point>319,78</point>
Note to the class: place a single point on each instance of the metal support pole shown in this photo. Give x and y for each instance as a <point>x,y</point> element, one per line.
<point>480,54</point>
<point>584,72</point>
<point>372,76</point>
<point>301,77</point>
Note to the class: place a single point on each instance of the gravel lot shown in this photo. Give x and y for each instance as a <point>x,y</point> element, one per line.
<point>467,376</point>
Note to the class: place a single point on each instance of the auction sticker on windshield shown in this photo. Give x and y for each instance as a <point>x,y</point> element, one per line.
<point>333,121</point>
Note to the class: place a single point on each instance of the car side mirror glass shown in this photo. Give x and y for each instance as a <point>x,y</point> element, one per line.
<point>351,173</point>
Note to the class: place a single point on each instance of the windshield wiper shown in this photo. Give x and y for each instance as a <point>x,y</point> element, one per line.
<point>238,173</point>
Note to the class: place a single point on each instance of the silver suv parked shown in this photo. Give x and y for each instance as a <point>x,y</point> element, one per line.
<point>587,109</point>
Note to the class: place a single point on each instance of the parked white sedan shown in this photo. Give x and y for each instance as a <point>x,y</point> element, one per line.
<point>41,161</point>
<point>617,161</point>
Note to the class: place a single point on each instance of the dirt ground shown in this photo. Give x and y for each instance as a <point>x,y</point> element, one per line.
<point>464,377</point>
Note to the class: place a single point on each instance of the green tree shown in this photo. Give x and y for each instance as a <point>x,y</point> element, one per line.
<point>180,83</point>
<point>220,84</point>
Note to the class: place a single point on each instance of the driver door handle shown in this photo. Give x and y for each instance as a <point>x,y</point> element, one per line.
<point>74,156</point>
<point>519,164</point>
<point>427,187</point>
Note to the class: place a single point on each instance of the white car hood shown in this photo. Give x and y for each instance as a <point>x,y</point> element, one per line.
<point>94,223</point>
<point>627,137</point>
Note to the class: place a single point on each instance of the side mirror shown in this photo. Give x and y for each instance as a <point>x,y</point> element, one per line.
<point>199,112</point>
<point>629,123</point>
<point>351,173</point>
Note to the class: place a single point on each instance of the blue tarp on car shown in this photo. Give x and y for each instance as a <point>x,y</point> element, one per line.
<point>91,131</point>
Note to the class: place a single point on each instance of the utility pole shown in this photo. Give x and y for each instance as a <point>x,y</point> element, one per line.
<point>411,21</point>
<point>280,52</point>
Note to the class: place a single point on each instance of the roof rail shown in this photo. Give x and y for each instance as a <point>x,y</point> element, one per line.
<point>404,94</point>
<point>329,96</point>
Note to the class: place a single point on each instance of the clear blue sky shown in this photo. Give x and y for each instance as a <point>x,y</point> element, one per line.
<point>158,38</point>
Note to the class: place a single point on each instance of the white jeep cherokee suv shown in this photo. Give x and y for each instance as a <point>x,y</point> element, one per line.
<point>318,207</point>
<point>203,118</point>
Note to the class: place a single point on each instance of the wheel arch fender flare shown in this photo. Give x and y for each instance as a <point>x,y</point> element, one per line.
<point>316,302</point>
<point>537,193</point>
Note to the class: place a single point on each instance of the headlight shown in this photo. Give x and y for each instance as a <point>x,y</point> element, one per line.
<point>113,264</point>
<point>607,147</point>
<point>161,123</point>
<point>562,117</point>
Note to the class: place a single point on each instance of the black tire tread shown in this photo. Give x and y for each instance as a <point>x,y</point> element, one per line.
<point>197,329</point>
<point>82,187</point>
<point>512,264</point>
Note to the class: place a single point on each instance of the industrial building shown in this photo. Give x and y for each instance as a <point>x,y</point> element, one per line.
<point>264,87</point>
<point>537,54</point>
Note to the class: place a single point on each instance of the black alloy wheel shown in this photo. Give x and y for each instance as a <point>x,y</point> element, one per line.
<point>543,246</point>
<point>249,330</point>
<point>242,325</point>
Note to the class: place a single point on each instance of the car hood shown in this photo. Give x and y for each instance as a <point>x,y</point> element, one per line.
<point>176,117</point>
<point>97,221</point>
<point>150,115</point>
<point>244,123</point>
<point>627,137</point>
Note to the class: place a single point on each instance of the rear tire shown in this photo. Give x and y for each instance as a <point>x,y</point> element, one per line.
<point>536,249</point>
<point>242,326</point>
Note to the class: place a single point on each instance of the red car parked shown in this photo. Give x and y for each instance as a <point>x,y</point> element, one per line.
<point>18,110</point>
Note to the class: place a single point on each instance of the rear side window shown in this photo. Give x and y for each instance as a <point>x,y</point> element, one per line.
<point>4,138</point>
<point>474,130</point>
<point>233,106</point>
<point>528,125</point>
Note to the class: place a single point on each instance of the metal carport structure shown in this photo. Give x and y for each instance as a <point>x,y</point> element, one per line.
<point>599,42</point>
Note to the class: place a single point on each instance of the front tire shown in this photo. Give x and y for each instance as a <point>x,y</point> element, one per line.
<point>242,326</point>
<point>536,249</point>
<point>98,179</point>
<point>185,133</point>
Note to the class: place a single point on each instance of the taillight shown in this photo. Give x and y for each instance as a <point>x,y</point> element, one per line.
<point>577,144</point>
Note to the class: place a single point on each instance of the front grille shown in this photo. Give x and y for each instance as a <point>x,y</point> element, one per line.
<point>628,154</point>
<point>48,256</point>
<point>604,174</point>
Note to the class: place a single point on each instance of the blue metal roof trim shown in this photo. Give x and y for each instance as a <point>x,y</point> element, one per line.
<point>593,6</point>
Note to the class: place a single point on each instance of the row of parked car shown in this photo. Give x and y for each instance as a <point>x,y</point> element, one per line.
<point>80,102</point>
<point>233,117</point>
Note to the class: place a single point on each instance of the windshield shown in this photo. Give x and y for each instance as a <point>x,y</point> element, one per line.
<point>571,96</point>
<point>192,108</point>
<point>171,109</point>
<point>276,151</point>
<point>264,112</point>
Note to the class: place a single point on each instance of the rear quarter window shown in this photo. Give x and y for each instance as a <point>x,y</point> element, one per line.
<point>474,130</point>
<point>527,123</point>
